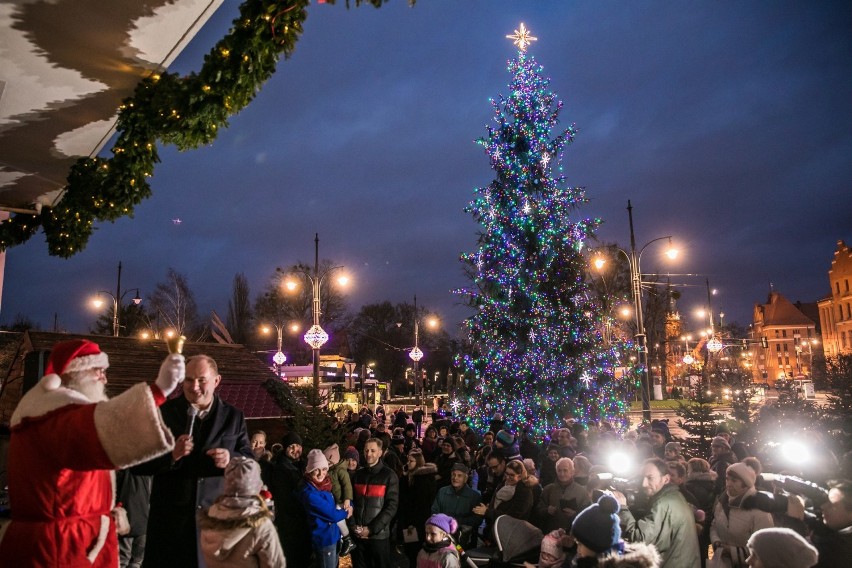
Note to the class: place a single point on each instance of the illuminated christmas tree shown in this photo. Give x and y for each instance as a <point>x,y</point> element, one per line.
<point>536,351</point>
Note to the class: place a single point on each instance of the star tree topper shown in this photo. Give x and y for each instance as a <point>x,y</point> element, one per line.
<point>522,38</point>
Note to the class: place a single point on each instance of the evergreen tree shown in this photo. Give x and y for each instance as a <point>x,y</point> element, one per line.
<point>307,416</point>
<point>698,419</point>
<point>535,352</point>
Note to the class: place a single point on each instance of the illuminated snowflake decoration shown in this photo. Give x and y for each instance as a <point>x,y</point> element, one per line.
<point>545,159</point>
<point>527,207</point>
<point>586,379</point>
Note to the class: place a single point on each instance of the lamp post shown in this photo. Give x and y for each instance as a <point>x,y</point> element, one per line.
<point>116,299</point>
<point>416,354</point>
<point>279,358</point>
<point>633,258</point>
<point>316,336</point>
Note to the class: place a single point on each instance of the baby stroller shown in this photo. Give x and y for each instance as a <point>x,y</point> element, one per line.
<point>516,542</point>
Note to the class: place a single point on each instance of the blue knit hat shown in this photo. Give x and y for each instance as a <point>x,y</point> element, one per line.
<point>597,525</point>
<point>506,438</point>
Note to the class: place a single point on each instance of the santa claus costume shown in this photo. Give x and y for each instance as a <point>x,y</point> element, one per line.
<point>63,450</point>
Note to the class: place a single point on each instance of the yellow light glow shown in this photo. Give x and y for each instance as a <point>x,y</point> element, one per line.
<point>343,280</point>
<point>522,38</point>
<point>599,262</point>
<point>291,285</point>
<point>672,253</point>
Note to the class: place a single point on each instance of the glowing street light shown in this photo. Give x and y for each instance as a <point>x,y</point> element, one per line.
<point>316,336</point>
<point>633,258</point>
<point>98,302</point>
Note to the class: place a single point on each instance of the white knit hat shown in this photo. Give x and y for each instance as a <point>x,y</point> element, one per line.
<point>780,547</point>
<point>744,472</point>
<point>316,460</point>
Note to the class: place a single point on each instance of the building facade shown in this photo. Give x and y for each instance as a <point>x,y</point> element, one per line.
<point>835,310</point>
<point>786,341</point>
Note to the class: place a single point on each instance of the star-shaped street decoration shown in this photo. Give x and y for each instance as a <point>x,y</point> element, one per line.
<point>545,159</point>
<point>586,378</point>
<point>522,38</point>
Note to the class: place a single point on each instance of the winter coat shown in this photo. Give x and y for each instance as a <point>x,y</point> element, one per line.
<point>635,555</point>
<point>447,557</point>
<point>376,502</point>
<point>834,547</point>
<point>552,496</point>
<point>732,526</point>
<point>341,484</point>
<point>519,506</point>
<point>282,478</point>
<point>323,515</point>
<point>548,472</point>
<point>134,493</point>
<point>236,533</point>
<point>669,526</point>
<point>416,494</point>
<point>719,466</point>
<point>458,504</point>
<point>471,440</point>
<point>62,451</point>
<point>192,483</point>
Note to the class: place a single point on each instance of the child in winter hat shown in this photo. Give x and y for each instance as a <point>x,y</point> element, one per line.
<point>351,455</point>
<point>438,549</point>
<point>781,548</point>
<point>341,488</point>
<point>552,554</point>
<point>238,526</point>
<point>596,528</point>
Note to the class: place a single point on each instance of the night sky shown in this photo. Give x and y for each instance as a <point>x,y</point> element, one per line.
<point>727,123</point>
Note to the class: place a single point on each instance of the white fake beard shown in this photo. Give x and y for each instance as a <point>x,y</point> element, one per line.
<point>88,385</point>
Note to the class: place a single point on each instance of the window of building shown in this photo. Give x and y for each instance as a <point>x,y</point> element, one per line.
<point>783,333</point>
<point>787,361</point>
<point>778,347</point>
<point>848,311</point>
<point>778,332</point>
<point>837,287</point>
<point>843,339</point>
<point>785,347</point>
<point>847,284</point>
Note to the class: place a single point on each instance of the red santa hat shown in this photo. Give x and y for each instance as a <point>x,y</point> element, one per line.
<point>75,355</point>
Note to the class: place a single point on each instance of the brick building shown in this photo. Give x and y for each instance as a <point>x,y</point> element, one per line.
<point>835,310</point>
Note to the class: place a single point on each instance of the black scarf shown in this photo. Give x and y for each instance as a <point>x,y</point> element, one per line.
<point>430,548</point>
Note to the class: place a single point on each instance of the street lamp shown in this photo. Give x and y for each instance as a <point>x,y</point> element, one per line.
<point>316,336</point>
<point>633,259</point>
<point>279,358</point>
<point>416,354</point>
<point>116,300</point>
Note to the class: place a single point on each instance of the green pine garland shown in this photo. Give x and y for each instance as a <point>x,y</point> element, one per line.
<point>184,111</point>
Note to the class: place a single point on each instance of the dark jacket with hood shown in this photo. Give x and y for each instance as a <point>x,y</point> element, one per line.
<point>416,493</point>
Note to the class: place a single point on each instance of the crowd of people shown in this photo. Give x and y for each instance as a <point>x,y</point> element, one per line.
<point>195,488</point>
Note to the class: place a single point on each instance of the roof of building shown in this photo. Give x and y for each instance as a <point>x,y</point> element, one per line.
<point>133,360</point>
<point>779,311</point>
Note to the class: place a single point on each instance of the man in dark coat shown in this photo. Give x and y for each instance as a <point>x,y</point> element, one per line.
<point>282,477</point>
<point>191,476</point>
<point>376,490</point>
